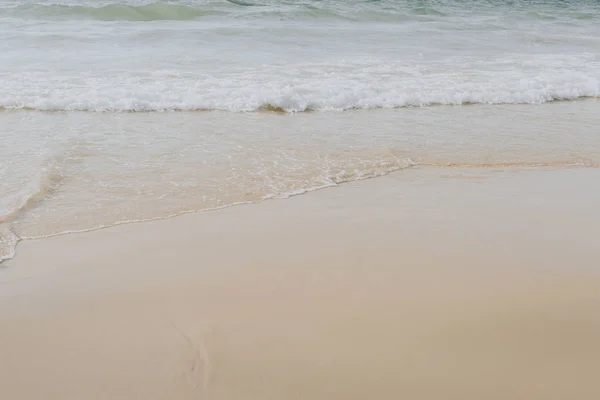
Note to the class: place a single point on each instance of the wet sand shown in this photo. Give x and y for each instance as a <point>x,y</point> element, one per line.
<point>430,283</point>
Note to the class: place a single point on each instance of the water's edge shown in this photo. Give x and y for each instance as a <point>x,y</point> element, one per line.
<point>4,262</point>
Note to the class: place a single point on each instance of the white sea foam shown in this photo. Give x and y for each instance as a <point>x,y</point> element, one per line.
<point>309,87</point>
<point>8,243</point>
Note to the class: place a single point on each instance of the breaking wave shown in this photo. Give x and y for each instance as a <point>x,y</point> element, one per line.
<point>285,94</point>
<point>182,11</point>
<point>113,12</point>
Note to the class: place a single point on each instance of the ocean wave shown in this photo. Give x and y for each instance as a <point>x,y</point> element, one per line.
<point>290,97</point>
<point>360,10</point>
<point>113,12</point>
<point>427,11</point>
<point>297,87</point>
<point>190,10</point>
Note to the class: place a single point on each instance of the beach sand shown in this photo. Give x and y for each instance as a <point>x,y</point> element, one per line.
<point>429,283</point>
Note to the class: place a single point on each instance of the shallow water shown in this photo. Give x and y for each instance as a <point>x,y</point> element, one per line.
<point>75,155</point>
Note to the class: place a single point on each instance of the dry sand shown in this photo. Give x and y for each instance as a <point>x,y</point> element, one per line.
<point>426,284</point>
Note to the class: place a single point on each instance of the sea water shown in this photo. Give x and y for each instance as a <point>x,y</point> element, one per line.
<point>113,112</point>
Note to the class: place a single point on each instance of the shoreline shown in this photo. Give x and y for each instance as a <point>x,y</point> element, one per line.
<point>465,283</point>
<point>517,167</point>
<point>209,163</point>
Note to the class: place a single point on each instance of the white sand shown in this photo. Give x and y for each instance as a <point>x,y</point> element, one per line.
<point>434,284</point>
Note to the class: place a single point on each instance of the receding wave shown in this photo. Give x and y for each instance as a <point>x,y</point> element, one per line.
<point>10,207</point>
<point>365,169</point>
<point>575,163</point>
<point>357,170</point>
